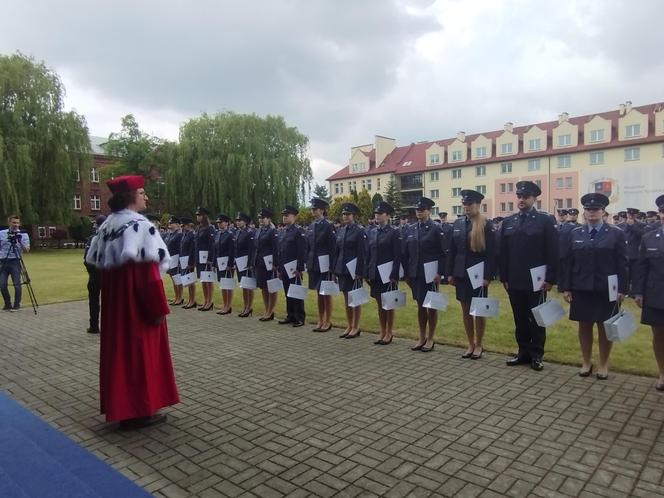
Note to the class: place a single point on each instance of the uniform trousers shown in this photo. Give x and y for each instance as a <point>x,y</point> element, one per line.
<point>529,336</point>
<point>294,307</point>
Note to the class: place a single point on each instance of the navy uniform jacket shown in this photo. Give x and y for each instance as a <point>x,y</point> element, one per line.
<point>204,241</point>
<point>651,226</point>
<point>525,245</point>
<point>586,263</point>
<point>648,279</point>
<point>461,257</point>
<point>425,242</point>
<point>244,245</point>
<point>187,247</point>
<point>291,245</point>
<point>172,241</point>
<point>224,245</point>
<point>633,234</point>
<point>351,243</point>
<point>321,239</point>
<point>384,244</point>
<point>266,245</point>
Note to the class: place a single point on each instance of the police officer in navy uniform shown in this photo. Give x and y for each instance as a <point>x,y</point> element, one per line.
<point>351,244</point>
<point>172,240</point>
<point>634,230</point>
<point>321,241</point>
<point>94,283</point>
<point>562,218</point>
<point>594,251</point>
<point>652,221</point>
<point>572,217</point>
<point>266,247</point>
<point>384,245</point>
<point>473,241</point>
<point>224,247</point>
<point>187,250</point>
<point>528,239</point>
<point>204,254</point>
<point>648,287</point>
<point>425,243</point>
<point>292,246</point>
<point>244,246</point>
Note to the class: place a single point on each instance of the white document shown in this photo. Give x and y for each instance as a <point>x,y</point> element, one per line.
<point>222,263</point>
<point>430,271</point>
<point>476,275</point>
<point>241,263</point>
<point>385,270</point>
<point>538,274</point>
<point>324,263</point>
<point>202,257</point>
<point>613,287</point>
<point>268,262</point>
<point>352,266</point>
<point>291,268</point>
<point>401,272</point>
<point>184,262</point>
<point>174,262</point>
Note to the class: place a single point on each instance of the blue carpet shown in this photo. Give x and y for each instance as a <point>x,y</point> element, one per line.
<point>38,461</point>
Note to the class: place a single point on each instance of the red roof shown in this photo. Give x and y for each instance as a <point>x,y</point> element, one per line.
<point>416,153</point>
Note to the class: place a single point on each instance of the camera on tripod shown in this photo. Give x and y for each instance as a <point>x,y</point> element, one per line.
<point>13,237</point>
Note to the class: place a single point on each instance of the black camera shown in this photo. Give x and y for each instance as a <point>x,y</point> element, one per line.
<point>13,237</point>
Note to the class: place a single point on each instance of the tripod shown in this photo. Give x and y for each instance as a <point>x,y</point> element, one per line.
<point>24,276</point>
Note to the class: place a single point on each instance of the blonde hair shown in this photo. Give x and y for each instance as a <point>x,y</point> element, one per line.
<point>477,238</point>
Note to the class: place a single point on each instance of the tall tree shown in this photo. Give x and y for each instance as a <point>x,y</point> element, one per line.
<point>321,192</point>
<point>236,162</point>
<point>376,199</point>
<point>365,206</point>
<point>41,145</point>
<point>393,195</point>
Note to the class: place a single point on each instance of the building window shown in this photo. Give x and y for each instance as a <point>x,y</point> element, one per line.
<point>510,187</point>
<point>596,136</point>
<point>633,130</point>
<point>456,174</point>
<point>632,154</point>
<point>434,158</point>
<point>336,188</point>
<point>481,189</point>
<point>94,175</point>
<point>435,210</point>
<point>503,207</point>
<point>456,210</point>
<point>41,232</point>
<point>559,182</point>
<point>564,161</point>
<point>78,175</point>
<point>596,158</point>
<point>533,164</point>
<point>456,155</point>
<point>539,204</point>
<point>534,144</point>
<point>564,140</point>
<point>506,168</point>
<point>538,183</point>
<point>433,176</point>
<point>568,182</point>
<point>434,194</point>
<point>95,203</point>
<point>510,206</point>
<point>77,201</point>
<point>377,184</point>
<point>456,192</point>
<point>506,148</point>
<point>480,152</point>
<point>568,203</point>
<point>407,163</point>
<point>364,184</point>
<point>51,231</point>
<point>480,170</point>
<point>503,188</point>
<point>369,184</point>
<point>484,208</point>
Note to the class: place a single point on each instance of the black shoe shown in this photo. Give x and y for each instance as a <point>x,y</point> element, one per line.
<point>285,321</point>
<point>349,336</point>
<point>425,349</point>
<point>467,355</point>
<point>383,342</point>
<point>139,423</point>
<point>417,348</point>
<point>267,318</point>
<point>230,310</point>
<point>344,335</point>
<point>659,387</point>
<point>7,308</point>
<point>298,324</point>
<point>537,365</point>
<point>517,360</point>
<point>600,376</point>
<point>92,331</point>
<point>16,307</point>
<point>586,373</point>
<point>476,356</point>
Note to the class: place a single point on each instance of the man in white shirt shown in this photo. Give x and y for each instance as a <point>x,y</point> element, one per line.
<point>13,242</point>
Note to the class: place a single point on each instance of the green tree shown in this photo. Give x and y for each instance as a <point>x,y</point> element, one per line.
<point>236,162</point>
<point>80,229</point>
<point>41,145</point>
<point>365,206</point>
<point>334,211</point>
<point>393,195</point>
<point>321,192</point>
<point>376,199</point>
<point>304,217</point>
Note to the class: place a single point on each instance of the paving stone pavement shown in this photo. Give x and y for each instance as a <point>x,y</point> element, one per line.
<point>269,411</point>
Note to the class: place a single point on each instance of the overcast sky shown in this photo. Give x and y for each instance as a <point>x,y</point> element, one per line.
<point>343,71</point>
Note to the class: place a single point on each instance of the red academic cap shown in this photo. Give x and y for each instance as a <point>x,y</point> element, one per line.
<point>125,183</point>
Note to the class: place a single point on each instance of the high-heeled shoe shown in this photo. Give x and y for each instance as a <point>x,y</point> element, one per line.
<point>586,373</point>
<point>205,308</point>
<point>227,312</point>
<point>345,334</point>
<point>467,354</point>
<point>383,342</point>
<point>267,318</point>
<point>353,336</point>
<point>189,306</point>
<point>178,303</point>
<point>426,349</point>
<point>418,347</point>
<point>245,314</point>
<point>476,356</point>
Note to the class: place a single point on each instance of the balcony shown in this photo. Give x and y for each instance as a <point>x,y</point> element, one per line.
<point>411,182</point>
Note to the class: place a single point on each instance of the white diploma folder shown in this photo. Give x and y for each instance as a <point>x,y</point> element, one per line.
<point>222,263</point>
<point>385,270</point>
<point>476,274</point>
<point>352,266</point>
<point>613,287</point>
<point>291,268</point>
<point>430,271</point>
<point>538,275</point>
<point>241,263</point>
<point>324,263</point>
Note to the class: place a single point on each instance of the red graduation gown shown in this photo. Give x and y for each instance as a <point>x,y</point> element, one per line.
<point>136,373</point>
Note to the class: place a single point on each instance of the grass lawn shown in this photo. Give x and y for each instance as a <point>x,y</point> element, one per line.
<point>59,275</point>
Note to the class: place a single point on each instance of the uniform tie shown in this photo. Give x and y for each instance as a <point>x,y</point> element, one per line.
<point>593,232</point>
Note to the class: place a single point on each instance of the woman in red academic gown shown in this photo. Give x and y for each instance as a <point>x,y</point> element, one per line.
<point>136,373</point>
